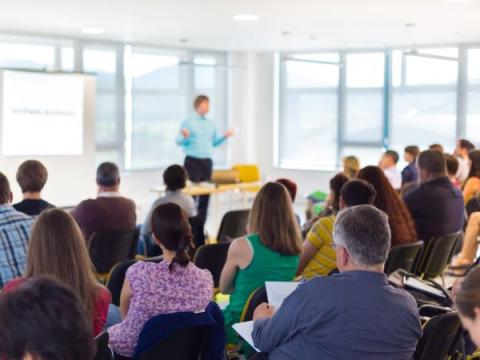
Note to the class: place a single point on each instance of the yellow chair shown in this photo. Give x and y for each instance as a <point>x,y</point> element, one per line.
<point>247,172</point>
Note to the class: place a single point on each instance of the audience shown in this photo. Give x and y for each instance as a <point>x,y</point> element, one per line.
<point>467,302</point>
<point>290,186</point>
<point>175,179</point>
<point>387,200</point>
<point>461,151</point>
<point>14,231</point>
<point>436,205</point>
<point>110,210</point>
<point>173,285</point>
<point>452,169</point>
<point>269,253</point>
<point>410,173</point>
<point>32,176</point>
<point>44,320</point>
<point>472,184</point>
<point>437,147</point>
<point>388,163</point>
<point>57,248</point>
<point>351,166</point>
<point>318,256</point>
<point>467,255</point>
<point>352,315</point>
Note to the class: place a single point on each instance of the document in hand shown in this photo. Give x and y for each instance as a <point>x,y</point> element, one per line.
<point>277,291</point>
<point>244,329</point>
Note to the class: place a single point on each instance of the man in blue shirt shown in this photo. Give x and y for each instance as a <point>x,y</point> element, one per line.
<point>198,136</point>
<point>355,314</point>
<point>409,172</point>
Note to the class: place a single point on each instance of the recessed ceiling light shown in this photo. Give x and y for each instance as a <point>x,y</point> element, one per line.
<point>93,30</point>
<point>245,17</point>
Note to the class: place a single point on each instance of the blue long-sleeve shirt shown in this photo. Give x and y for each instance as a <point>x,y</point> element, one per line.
<point>203,137</point>
<point>351,315</point>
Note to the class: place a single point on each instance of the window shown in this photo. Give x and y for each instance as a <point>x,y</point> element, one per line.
<point>472,129</point>
<point>27,56</point>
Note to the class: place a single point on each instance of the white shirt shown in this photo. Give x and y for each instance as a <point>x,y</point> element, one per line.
<point>463,169</point>
<point>394,176</point>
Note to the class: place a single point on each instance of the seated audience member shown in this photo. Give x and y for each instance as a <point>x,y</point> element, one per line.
<point>461,152</point>
<point>452,169</point>
<point>57,248</point>
<point>387,200</point>
<point>109,211</point>
<point>355,314</point>
<point>467,255</point>
<point>175,179</point>
<point>467,302</point>
<point>32,176</point>
<point>14,231</point>
<point>291,187</point>
<point>409,172</point>
<point>436,205</point>
<point>437,147</point>
<point>351,166</point>
<point>472,185</point>
<point>388,163</point>
<point>318,255</point>
<point>44,320</point>
<point>173,285</point>
<point>269,253</point>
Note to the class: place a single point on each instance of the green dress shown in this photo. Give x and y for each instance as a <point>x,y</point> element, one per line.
<point>266,265</point>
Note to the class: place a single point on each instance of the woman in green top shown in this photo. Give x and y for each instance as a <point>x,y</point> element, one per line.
<point>269,253</point>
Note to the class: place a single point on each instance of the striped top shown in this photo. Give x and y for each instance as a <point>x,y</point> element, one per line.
<point>320,236</point>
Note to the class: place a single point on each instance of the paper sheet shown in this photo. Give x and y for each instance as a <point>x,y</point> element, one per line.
<point>244,329</point>
<point>277,291</point>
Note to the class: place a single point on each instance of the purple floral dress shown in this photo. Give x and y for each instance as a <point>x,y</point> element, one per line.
<point>155,290</point>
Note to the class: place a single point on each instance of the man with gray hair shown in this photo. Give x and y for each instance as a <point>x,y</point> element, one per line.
<point>355,314</point>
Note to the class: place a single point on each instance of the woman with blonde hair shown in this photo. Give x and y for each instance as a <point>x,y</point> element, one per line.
<point>57,248</point>
<point>351,166</point>
<point>269,253</point>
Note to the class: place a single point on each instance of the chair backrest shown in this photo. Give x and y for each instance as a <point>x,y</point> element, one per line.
<point>256,298</point>
<point>108,248</point>
<point>435,256</point>
<point>402,257</point>
<point>247,172</point>
<point>233,225</point>
<point>212,257</point>
<point>103,351</point>
<point>440,336</point>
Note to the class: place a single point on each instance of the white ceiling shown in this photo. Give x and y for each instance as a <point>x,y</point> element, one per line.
<point>313,24</point>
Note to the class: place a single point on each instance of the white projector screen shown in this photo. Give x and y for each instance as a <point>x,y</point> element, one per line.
<point>42,114</point>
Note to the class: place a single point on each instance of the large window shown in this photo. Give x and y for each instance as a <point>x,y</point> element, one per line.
<point>472,128</point>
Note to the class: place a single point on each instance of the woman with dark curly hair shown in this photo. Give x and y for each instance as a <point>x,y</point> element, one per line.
<point>472,185</point>
<point>387,200</point>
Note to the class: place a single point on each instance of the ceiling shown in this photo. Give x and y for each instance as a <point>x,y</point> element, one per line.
<point>309,24</point>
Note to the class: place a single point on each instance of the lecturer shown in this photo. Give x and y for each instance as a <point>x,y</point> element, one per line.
<point>198,136</point>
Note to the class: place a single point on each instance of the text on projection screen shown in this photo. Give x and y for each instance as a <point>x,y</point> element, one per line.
<point>42,114</point>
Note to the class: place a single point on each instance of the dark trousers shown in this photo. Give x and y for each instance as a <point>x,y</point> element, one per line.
<point>200,170</point>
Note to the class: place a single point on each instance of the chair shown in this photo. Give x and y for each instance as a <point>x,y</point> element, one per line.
<point>436,255</point>
<point>212,257</point>
<point>256,298</point>
<point>440,336</point>
<point>103,351</point>
<point>247,172</point>
<point>402,257</point>
<point>233,225</point>
<point>108,248</point>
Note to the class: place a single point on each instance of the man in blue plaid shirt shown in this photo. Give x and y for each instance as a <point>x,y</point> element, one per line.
<point>14,233</point>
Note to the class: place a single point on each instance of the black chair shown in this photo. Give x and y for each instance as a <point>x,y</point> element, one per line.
<point>402,257</point>
<point>117,277</point>
<point>233,225</point>
<point>212,257</point>
<point>197,225</point>
<point>108,248</point>
<point>435,256</point>
<point>256,298</point>
<point>440,338</point>
<point>103,351</point>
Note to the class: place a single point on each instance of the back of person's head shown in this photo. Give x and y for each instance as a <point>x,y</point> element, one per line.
<point>437,147</point>
<point>432,162</point>
<point>199,100</point>
<point>364,232</point>
<point>5,191</point>
<point>358,192</point>
<point>392,154</point>
<point>465,144</point>
<point>336,184</point>
<point>170,227</point>
<point>413,150</point>
<point>45,320</point>
<point>57,248</point>
<point>273,219</point>
<point>467,302</point>
<point>290,186</point>
<point>474,157</point>
<point>175,177</point>
<point>452,164</point>
<point>32,176</point>
<point>351,165</point>
<point>108,175</point>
